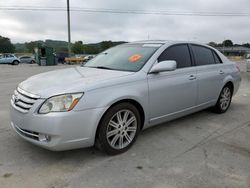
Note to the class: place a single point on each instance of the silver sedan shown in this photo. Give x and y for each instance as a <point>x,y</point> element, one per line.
<point>27,59</point>
<point>120,92</point>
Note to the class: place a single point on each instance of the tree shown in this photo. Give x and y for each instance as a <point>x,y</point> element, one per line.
<point>106,44</point>
<point>90,49</point>
<point>213,44</point>
<point>32,45</point>
<point>246,45</point>
<point>6,46</point>
<point>227,43</point>
<point>77,47</point>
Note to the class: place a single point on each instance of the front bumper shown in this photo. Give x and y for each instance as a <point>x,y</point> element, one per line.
<point>64,130</point>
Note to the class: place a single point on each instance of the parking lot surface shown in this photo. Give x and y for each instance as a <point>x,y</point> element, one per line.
<point>200,150</point>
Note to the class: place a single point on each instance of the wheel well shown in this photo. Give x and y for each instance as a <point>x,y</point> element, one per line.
<point>131,101</point>
<point>137,105</point>
<point>231,85</point>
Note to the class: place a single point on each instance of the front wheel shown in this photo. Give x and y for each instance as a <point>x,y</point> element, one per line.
<point>118,129</point>
<point>224,100</point>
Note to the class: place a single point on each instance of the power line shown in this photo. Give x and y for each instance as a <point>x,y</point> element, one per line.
<point>120,11</point>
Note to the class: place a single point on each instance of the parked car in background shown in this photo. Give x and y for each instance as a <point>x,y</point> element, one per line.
<point>9,59</point>
<point>27,59</point>
<point>127,88</point>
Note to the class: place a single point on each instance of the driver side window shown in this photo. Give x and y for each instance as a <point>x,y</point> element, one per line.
<point>179,53</point>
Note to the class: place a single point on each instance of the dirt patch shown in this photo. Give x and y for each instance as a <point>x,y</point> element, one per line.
<point>7,175</point>
<point>238,149</point>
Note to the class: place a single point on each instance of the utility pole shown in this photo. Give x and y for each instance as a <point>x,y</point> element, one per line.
<point>69,34</point>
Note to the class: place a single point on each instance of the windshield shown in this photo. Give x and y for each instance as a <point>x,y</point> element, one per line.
<point>127,57</point>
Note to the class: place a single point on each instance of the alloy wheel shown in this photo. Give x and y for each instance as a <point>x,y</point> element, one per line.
<point>121,129</point>
<point>225,98</point>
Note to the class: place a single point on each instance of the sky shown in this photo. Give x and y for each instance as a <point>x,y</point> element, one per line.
<point>22,26</point>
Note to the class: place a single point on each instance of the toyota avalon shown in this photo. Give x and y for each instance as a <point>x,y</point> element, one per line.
<point>109,100</point>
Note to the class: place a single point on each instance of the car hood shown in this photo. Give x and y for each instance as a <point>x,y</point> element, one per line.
<point>77,79</point>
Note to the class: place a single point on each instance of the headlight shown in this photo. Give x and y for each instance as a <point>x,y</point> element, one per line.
<point>60,103</point>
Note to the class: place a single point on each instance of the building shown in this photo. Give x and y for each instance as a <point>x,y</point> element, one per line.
<point>234,51</point>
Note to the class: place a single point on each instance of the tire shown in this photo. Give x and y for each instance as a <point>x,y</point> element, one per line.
<point>224,100</point>
<point>118,129</point>
<point>15,62</point>
<point>32,62</point>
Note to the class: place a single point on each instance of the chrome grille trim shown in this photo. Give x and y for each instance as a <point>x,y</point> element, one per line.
<point>18,108</point>
<point>23,105</point>
<point>30,134</point>
<point>22,100</point>
<point>27,93</point>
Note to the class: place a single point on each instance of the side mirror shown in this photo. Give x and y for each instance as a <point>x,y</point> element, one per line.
<point>169,65</point>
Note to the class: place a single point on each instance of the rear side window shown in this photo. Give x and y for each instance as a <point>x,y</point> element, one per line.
<point>203,55</point>
<point>179,53</point>
<point>216,58</point>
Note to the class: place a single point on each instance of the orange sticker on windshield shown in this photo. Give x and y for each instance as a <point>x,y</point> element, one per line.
<point>134,58</point>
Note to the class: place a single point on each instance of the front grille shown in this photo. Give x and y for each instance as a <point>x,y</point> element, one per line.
<point>29,134</point>
<point>22,100</point>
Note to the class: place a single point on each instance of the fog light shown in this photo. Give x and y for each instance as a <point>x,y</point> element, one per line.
<point>43,138</point>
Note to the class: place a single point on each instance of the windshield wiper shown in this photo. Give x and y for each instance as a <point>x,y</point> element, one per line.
<point>102,67</point>
<point>98,67</point>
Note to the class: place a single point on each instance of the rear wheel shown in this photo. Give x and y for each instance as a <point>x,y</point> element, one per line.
<point>32,62</point>
<point>224,100</point>
<point>118,129</point>
<point>15,62</point>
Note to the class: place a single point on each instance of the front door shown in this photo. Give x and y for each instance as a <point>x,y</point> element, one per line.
<point>173,92</point>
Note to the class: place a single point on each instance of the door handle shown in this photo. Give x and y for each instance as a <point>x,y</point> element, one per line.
<point>192,77</point>
<point>221,72</point>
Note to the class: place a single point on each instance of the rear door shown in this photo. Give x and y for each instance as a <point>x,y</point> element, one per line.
<point>9,58</point>
<point>173,91</point>
<point>25,59</point>
<point>210,74</point>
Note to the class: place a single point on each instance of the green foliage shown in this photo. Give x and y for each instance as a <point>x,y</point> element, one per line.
<point>106,45</point>
<point>32,45</point>
<point>62,46</point>
<point>213,44</point>
<point>77,47</point>
<point>6,46</point>
<point>80,48</point>
<point>56,44</point>
<point>227,43</point>
<point>246,45</point>
<point>90,49</point>
<point>20,48</point>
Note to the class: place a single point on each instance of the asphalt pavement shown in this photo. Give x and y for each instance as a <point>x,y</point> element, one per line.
<point>200,150</point>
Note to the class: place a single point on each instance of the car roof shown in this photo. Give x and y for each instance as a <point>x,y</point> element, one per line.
<point>169,42</point>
